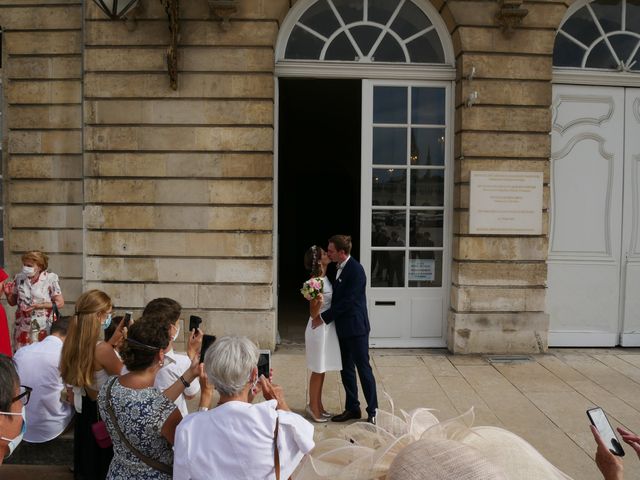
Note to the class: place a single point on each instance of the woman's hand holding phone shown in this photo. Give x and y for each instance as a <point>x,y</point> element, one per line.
<point>609,464</point>
<point>271,391</point>
<point>119,334</point>
<point>195,343</point>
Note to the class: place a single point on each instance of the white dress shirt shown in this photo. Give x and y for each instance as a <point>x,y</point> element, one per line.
<point>235,441</point>
<point>340,266</point>
<point>47,415</point>
<point>177,364</point>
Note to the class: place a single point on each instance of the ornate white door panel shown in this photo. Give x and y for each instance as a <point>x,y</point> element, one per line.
<point>584,263</point>
<point>631,234</point>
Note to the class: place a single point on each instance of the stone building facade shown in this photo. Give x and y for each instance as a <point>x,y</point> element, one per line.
<point>145,191</point>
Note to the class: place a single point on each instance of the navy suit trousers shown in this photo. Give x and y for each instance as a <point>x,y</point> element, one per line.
<point>355,355</point>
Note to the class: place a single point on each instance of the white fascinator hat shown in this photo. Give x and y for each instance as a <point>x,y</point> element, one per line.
<point>417,446</point>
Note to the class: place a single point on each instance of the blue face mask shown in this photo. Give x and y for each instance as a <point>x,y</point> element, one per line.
<point>107,322</point>
<point>13,443</point>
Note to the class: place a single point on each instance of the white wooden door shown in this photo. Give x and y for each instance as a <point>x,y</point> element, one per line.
<point>584,263</point>
<point>406,150</point>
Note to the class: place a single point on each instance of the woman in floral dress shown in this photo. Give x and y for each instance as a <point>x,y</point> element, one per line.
<point>34,290</point>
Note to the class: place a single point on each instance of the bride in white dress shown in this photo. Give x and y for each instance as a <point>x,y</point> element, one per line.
<point>321,343</point>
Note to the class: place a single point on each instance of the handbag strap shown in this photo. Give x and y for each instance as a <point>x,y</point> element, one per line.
<point>276,454</point>
<point>162,467</point>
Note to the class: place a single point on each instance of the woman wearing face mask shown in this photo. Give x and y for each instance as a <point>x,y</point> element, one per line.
<point>86,364</point>
<point>13,398</point>
<point>34,290</point>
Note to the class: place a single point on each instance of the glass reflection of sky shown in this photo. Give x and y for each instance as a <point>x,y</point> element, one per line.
<point>427,106</point>
<point>427,146</point>
<point>390,105</point>
<point>389,146</point>
<point>389,186</point>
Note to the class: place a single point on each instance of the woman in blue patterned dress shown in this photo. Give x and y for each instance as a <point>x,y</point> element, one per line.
<point>141,419</point>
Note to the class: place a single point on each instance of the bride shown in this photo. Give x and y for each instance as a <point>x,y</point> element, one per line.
<point>321,343</point>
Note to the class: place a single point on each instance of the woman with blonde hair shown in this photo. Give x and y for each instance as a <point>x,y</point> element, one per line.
<point>35,290</point>
<point>86,364</point>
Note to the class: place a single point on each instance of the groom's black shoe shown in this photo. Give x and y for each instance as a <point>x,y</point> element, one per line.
<point>347,415</point>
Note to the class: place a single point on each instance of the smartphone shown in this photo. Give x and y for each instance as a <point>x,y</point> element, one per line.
<point>599,420</point>
<point>207,341</point>
<point>194,322</point>
<point>264,363</point>
<point>127,319</point>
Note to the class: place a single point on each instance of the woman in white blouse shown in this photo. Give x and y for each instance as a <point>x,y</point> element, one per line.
<point>236,439</point>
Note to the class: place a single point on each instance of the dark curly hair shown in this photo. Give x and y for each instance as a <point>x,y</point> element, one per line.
<point>163,310</point>
<point>9,382</point>
<point>312,260</point>
<point>144,340</point>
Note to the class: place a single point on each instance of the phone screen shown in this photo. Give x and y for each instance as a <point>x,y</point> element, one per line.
<point>207,341</point>
<point>264,363</point>
<point>194,322</point>
<point>127,319</point>
<point>599,420</point>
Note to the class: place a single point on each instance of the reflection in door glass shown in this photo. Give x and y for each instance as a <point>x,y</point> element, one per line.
<point>386,223</point>
<point>425,269</point>
<point>427,146</point>
<point>427,106</point>
<point>389,146</point>
<point>387,268</point>
<point>390,105</point>
<point>425,228</point>
<point>427,188</point>
<point>389,187</point>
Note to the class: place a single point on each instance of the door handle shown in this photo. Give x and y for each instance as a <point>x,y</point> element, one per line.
<point>385,303</point>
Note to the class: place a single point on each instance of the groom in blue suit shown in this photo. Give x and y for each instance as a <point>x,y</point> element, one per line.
<point>349,312</point>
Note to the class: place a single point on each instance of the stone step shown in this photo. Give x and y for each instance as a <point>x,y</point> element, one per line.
<point>22,472</point>
<point>58,451</point>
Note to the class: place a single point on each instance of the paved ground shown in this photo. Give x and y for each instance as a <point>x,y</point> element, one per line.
<point>544,400</point>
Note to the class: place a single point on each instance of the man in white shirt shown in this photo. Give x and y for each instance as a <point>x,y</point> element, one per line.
<point>166,313</point>
<point>37,364</point>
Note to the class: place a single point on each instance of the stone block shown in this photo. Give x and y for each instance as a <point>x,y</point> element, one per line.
<point>183,164</point>
<point>123,295</point>
<point>45,166</point>
<point>178,218</point>
<point>508,119</point>
<point>497,299</point>
<point>68,265</point>
<point>190,244</point>
<point>499,274</point>
<point>71,290</point>
<point>54,241</point>
<point>50,17</point>
<point>500,248</point>
<point>44,68</point>
<point>45,216</point>
<point>174,111</point>
<point>53,91</point>
<point>465,166</point>
<point>246,297</point>
<point>40,192</point>
<point>479,39</point>
<point>498,333</point>
<point>193,33</point>
<point>33,141</point>
<point>43,42</point>
<point>504,66</point>
<point>179,138</point>
<point>179,191</point>
<point>461,223</point>
<point>484,144</point>
<point>505,92</point>
<point>190,85</point>
<point>121,269</point>
<point>258,326</point>
<point>45,116</point>
<point>187,295</point>
<point>482,13</point>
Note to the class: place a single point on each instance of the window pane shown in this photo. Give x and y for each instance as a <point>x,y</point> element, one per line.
<point>426,48</point>
<point>623,45</point>
<point>600,57</point>
<point>389,146</point>
<point>387,268</point>
<point>608,13</point>
<point>425,269</point>
<point>389,187</point>
<point>341,49</point>
<point>380,10</point>
<point>633,16</point>
<point>427,188</point>
<point>410,20</point>
<point>581,27</point>
<point>365,36</point>
<point>425,229</point>
<point>636,66</point>
<point>389,51</point>
<point>427,146</point>
<point>303,45</point>
<point>387,226</point>
<point>567,53</point>
<point>320,18</point>
<point>390,105</point>
<point>427,106</point>
<point>350,10</point>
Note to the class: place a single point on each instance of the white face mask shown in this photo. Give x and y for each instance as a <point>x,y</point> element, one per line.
<point>28,271</point>
<point>14,442</point>
<point>176,335</point>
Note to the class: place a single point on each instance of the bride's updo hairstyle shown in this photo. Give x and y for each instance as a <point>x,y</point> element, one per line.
<point>312,260</point>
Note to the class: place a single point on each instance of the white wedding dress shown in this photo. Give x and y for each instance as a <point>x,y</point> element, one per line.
<point>321,343</point>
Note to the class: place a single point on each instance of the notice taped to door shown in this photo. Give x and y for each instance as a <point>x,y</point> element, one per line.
<point>505,203</point>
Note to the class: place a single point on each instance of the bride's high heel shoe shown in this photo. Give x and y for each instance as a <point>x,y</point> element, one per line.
<point>322,419</point>
<point>327,414</point>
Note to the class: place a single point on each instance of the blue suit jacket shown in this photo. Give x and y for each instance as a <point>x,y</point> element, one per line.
<point>349,303</point>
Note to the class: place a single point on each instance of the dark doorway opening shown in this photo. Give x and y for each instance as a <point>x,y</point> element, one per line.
<point>318,183</point>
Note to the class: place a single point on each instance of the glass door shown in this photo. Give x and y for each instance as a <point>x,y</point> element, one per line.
<point>406,210</point>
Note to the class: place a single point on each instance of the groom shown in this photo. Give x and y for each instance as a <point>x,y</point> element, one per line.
<point>349,311</point>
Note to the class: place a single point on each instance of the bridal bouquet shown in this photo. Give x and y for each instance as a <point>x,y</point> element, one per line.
<point>312,288</point>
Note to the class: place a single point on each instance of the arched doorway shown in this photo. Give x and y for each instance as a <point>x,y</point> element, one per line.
<point>365,130</point>
<point>594,248</point>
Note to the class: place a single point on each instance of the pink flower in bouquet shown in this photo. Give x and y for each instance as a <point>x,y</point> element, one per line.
<point>312,288</point>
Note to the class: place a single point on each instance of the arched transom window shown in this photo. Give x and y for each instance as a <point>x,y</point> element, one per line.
<point>603,34</point>
<point>365,31</point>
